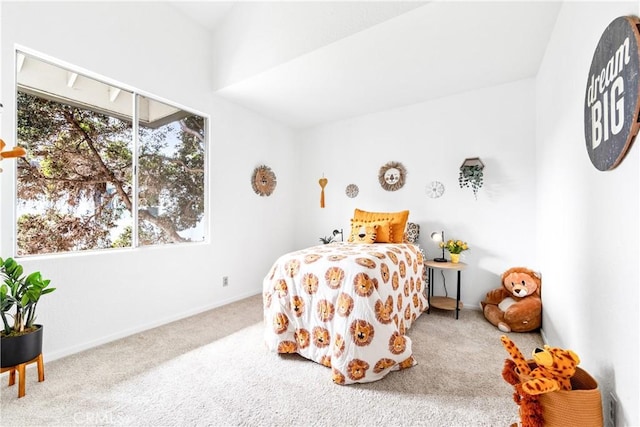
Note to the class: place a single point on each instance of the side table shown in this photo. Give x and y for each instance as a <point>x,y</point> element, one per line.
<point>444,303</point>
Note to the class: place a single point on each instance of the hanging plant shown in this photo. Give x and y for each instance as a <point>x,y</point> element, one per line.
<point>471,176</point>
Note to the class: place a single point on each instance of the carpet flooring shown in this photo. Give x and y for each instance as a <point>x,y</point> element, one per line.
<point>213,369</point>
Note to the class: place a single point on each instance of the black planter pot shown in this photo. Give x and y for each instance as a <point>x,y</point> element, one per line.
<point>20,349</point>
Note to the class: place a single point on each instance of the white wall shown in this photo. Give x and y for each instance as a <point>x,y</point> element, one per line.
<point>587,222</point>
<point>431,140</point>
<point>103,296</point>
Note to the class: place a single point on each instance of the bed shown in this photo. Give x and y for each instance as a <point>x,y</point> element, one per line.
<point>347,306</point>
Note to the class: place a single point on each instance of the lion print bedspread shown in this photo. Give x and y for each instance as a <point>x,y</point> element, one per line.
<point>346,306</point>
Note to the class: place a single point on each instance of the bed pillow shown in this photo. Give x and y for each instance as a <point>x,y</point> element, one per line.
<point>384,233</point>
<point>412,232</point>
<point>398,221</point>
<point>362,232</point>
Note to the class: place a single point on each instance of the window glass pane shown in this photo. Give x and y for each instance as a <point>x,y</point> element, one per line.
<point>74,186</point>
<point>170,174</point>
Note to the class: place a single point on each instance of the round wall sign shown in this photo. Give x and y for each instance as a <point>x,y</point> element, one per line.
<point>611,100</point>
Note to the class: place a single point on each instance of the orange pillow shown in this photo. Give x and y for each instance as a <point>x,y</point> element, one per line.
<point>398,221</point>
<point>363,232</point>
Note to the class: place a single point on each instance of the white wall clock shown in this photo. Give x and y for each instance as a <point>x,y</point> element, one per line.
<point>435,189</point>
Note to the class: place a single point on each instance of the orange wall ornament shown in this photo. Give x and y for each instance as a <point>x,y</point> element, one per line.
<point>13,153</point>
<point>323,183</point>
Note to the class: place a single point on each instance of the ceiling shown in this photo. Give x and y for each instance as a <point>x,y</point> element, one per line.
<point>423,52</point>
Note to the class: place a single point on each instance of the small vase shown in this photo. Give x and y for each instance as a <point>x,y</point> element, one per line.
<point>455,258</point>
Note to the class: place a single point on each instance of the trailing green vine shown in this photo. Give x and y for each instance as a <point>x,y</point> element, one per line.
<point>471,176</point>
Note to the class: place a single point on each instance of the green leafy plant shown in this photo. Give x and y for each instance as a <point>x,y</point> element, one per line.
<point>326,240</point>
<point>454,246</point>
<point>471,176</point>
<point>20,293</point>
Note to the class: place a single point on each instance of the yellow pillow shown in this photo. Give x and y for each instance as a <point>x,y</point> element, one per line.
<point>363,232</point>
<point>398,222</point>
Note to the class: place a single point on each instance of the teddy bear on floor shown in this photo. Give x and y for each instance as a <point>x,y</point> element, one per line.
<point>516,306</point>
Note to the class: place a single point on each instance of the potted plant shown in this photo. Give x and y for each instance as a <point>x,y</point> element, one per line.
<point>471,174</point>
<point>19,296</point>
<point>455,247</point>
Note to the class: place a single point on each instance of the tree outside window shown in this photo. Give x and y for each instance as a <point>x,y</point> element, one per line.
<point>76,186</point>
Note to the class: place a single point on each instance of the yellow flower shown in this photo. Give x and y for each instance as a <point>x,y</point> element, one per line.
<point>455,246</point>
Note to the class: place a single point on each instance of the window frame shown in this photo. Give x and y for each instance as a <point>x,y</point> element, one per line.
<point>135,119</point>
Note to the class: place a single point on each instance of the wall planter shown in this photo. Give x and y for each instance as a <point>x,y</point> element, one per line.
<point>471,174</point>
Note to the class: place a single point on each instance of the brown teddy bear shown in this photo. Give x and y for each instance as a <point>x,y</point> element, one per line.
<point>516,306</point>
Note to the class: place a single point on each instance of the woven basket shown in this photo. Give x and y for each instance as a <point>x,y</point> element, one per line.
<point>581,406</point>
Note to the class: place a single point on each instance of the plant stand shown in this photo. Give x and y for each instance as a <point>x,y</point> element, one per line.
<point>21,368</point>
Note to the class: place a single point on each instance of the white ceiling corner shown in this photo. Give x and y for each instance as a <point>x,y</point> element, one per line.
<point>425,52</point>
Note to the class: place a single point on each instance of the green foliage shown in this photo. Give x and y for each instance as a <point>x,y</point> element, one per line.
<point>75,186</point>
<point>20,293</point>
<point>326,240</point>
<point>471,176</point>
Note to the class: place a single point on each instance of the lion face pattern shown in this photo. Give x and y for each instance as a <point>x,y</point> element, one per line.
<point>357,369</point>
<point>281,288</point>
<point>326,360</point>
<point>280,323</point>
<point>321,337</point>
<point>407,363</point>
<point>362,332</point>
<point>407,256</point>
<point>325,310</point>
<point>383,364</point>
<point>384,272</point>
<point>292,267</point>
<point>344,304</point>
<point>311,258</point>
<point>338,345</point>
<point>378,255</point>
<point>402,328</point>
<point>302,337</point>
<point>384,311</point>
<point>310,283</point>
<point>407,312</point>
<point>397,343</point>
<point>364,285</point>
<point>287,347</point>
<point>395,281</point>
<point>297,305</point>
<point>334,277</point>
<point>266,300</point>
<point>403,269</point>
<point>338,377</point>
<point>366,262</point>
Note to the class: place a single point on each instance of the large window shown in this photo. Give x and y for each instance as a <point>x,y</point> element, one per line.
<point>105,167</point>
